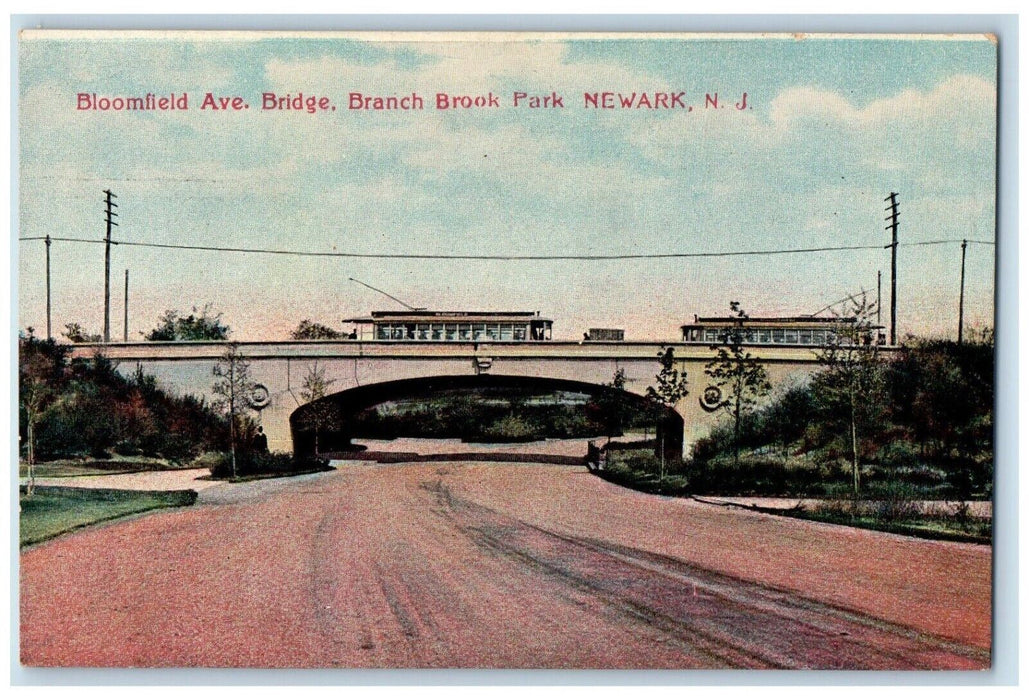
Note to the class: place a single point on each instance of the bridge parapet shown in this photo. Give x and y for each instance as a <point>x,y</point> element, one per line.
<point>314,349</point>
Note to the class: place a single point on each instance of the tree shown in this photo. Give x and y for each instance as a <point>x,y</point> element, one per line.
<point>75,333</point>
<point>612,405</point>
<point>739,375</point>
<point>672,387</point>
<point>309,330</point>
<point>199,325</point>
<point>850,385</point>
<point>314,388</point>
<point>41,367</point>
<point>233,387</point>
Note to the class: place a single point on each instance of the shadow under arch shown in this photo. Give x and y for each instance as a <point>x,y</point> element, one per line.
<point>350,402</point>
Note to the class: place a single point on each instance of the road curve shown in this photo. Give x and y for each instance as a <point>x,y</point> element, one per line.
<point>495,566</point>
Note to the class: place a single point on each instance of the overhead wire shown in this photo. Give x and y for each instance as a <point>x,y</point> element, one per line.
<point>497,257</point>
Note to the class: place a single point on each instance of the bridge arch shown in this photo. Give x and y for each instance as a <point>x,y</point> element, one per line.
<point>348,403</point>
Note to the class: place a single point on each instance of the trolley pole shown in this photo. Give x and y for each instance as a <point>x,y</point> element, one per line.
<point>961,299</point>
<point>893,218</point>
<point>126,334</point>
<point>110,214</point>
<point>49,332</point>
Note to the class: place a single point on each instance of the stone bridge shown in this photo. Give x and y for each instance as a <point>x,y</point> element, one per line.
<point>186,367</point>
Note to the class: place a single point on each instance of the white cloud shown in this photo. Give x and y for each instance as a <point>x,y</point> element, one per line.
<point>963,100</point>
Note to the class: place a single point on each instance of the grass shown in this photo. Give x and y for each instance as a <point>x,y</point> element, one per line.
<point>116,464</point>
<point>926,526</point>
<point>638,469</point>
<point>55,510</point>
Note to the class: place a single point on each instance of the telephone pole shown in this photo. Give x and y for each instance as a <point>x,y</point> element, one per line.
<point>126,335</point>
<point>879,300</point>
<point>110,214</point>
<point>49,332</point>
<point>893,218</point>
<point>961,301</point>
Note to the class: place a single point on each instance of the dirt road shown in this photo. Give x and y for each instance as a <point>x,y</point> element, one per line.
<point>495,565</point>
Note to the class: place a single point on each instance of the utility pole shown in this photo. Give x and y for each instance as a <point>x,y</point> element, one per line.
<point>893,218</point>
<point>107,263</point>
<point>49,332</point>
<point>879,300</point>
<point>126,335</point>
<point>961,302</point>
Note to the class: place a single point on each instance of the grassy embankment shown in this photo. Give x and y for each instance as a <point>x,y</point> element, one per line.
<point>889,500</point>
<point>55,510</point>
<point>115,464</point>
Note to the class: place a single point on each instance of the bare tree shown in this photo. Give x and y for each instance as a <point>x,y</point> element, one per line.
<point>316,387</point>
<point>40,366</point>
<point>851,383</point>
<point>233,387</point>
<point>739,375</point>
<point>672,387</point>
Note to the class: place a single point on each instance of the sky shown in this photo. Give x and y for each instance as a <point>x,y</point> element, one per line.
<point>831,126</point>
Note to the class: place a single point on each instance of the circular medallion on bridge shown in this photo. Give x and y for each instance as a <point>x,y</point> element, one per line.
<point>259,397</point>
<point>711,399</point>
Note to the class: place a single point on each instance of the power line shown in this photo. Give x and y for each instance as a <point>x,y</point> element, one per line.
<point>951,240</point>
<point>441,256</point>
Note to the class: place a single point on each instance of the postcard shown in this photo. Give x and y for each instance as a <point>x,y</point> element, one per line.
<point>505,350</point>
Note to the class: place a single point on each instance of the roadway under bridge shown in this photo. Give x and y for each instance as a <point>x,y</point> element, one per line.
<point>186,368</point>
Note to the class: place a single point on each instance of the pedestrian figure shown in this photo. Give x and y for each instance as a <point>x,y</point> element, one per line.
<point>592,456</point>
<point>260,440</point>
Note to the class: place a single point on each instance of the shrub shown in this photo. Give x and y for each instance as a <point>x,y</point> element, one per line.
<point>644,477</point>
<point>895,501</point>
<point>509,429</point>
<point>259,464</point>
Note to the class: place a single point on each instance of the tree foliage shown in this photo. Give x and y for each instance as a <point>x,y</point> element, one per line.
<point>41,365</point>
<point>309,330</point>
<point>671,384</point>
<point>942,393</point>
<point>86,407</point>
<point>198,325</point>
<point>75,333</point>
<point>928,421</point>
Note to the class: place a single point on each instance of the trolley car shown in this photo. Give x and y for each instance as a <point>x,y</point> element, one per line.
<point>453,326</point>
<point>789,330</point>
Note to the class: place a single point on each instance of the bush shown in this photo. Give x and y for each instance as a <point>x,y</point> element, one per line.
<point>894,501</point>
<point>640,461</point>
<point>509,429</point>
<point>259,464</point>
<point>648,482</point>
<point>640,470</point>
<point>92,409</point>
<point>763,475</point>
